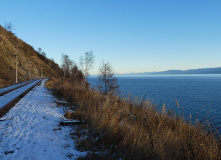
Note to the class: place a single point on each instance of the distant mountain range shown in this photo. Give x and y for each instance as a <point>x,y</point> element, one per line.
<point>191,71</point>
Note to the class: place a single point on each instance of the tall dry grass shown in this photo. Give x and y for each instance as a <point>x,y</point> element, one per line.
<point>4,83</point>
<point>29,61</point>
<point>138,129</point>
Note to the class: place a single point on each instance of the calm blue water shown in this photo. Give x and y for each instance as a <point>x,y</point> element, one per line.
<point>198,95</point>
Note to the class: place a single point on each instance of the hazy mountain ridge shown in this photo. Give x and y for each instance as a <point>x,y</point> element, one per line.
<point>190,71</point>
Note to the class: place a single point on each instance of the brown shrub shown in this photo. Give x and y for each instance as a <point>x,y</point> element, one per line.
<point>138,128</point>
<point>4,83</point>
<point>50,83</point>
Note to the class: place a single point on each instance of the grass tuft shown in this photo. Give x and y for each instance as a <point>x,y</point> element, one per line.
<point>137,130</point>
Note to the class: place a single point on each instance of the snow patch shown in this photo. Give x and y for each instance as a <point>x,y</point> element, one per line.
<point>31,131</point>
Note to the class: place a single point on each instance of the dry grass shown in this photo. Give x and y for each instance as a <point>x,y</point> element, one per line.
<point>4,83</point>
<point>50,83</point>
<point>28,59</point>
<point>136,130</point>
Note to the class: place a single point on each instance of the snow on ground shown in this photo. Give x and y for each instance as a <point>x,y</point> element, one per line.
<point>13,86</point>
<point>31,131</point>
<point>5,99</point>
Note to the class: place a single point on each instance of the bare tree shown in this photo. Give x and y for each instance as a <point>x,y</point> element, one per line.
<point>77,76</point>
<point>67,64</point>
<point>107,83</point>
<point>52,59</point>
<point>9,27</point>
<point>43,54</point>
<point>81,63</point>
<point>39,50</point>
<point>86,63</point>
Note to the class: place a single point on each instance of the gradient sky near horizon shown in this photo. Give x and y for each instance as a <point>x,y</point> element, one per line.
<point>133,35</point>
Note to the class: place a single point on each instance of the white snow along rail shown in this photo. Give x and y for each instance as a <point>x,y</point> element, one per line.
<point>7,100</point>
<point>31,130</point>
<point>13,87</point>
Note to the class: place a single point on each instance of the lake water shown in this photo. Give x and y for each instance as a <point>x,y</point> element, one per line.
<point>198,95</point>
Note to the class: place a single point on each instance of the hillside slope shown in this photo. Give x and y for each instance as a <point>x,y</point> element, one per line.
<point>30,63</point>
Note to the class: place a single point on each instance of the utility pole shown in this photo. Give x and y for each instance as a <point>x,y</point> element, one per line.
<point>29,76</point>
<point>16,68</point>
<point>41,71</point>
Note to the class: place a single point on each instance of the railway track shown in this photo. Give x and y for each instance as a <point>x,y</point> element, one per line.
<point>13,87</point>
<point>11,95</point>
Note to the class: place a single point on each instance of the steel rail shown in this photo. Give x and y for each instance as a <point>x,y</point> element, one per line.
<point>12,89</point>
<point>4,109</point>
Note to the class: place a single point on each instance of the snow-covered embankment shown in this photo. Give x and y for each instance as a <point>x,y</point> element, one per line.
<point>30,130</point>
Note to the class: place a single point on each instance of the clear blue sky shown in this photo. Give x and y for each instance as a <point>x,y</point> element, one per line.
<point>133,35</point>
